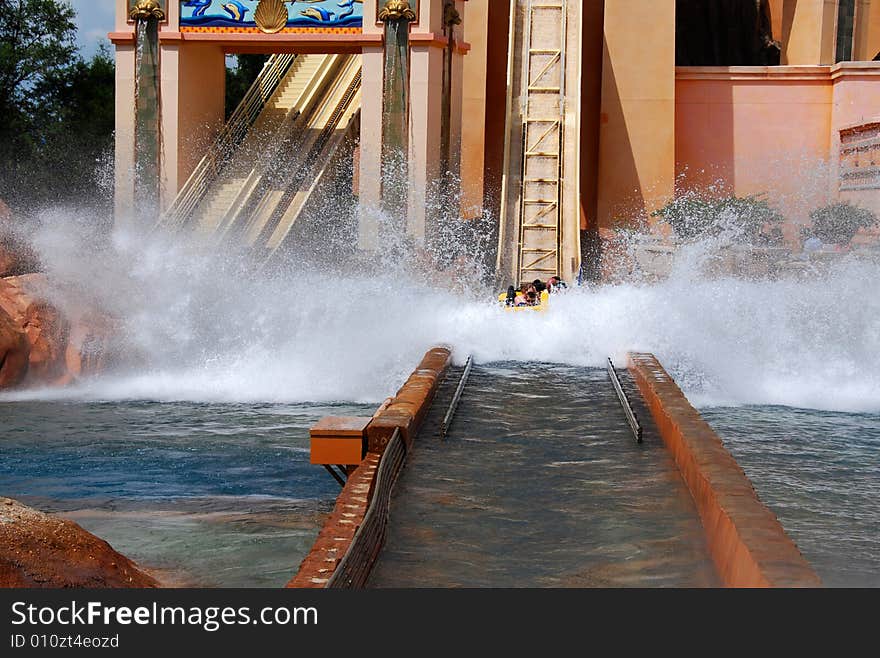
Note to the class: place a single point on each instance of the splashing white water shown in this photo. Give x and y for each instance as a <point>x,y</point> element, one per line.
<point>206,328</point>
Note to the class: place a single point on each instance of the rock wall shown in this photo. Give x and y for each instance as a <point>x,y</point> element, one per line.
<point>58,347</point>
<point>41,550</point>
<point>14,352</point>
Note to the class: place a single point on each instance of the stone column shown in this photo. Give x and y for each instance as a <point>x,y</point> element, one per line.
<point>447,192</point>
<point>147,147</point>
<point>474,75</point>
<point>397,15</point>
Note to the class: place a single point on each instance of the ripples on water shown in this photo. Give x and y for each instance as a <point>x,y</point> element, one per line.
<point>819,472</point>
<point>209,494</point>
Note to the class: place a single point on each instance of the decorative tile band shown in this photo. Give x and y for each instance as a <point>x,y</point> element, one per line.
<point>286,30</point>
<point>270,16</point>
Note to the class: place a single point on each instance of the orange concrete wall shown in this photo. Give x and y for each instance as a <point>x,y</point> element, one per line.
<point>404,412</point>
<point>856,101</point>
<point>407,409</point>
<point>864,31</point>
<point>746,541</point>
<point>498,28</point>
<point>123,197</point>
<point>425,99</point>
<point>637,131</point>
<point>202,90</point>
<point>867,42</point>
<point>369,165</point>
<point>808,31</point>
<point>856,93</point>
<point>776,7</point>
<point>339,529</point>
<point>757,129</point>
<point>201,104</point>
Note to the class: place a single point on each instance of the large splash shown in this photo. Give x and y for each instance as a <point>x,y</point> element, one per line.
<point>209,327</point>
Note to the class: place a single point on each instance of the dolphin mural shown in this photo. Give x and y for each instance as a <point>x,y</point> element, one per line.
<point>324,15</point>
<point>236,10</point>
<point>200,6</point>
<point>317,14</point>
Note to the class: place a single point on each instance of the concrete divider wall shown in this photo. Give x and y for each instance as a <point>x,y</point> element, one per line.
<point>338,531</point>
<point>748,545</point>
<point>404,412</point>
<point>407,409</point>
<point>353,571</point>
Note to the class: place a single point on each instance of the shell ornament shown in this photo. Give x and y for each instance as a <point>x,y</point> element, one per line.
<point>395,10</point>
<point>144,10</point>
<point>271,16</point>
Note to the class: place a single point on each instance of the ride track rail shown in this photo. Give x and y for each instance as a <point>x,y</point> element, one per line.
<point>456,397</point>
<point>355,567</point>
<point>631,417</point>
<point>220,154</point>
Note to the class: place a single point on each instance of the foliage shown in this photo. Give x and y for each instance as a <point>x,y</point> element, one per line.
<point>837,223</point>
<point>748,219</point>
<point>58,109</point>
<point>240,78</point>
<point>36,43</point>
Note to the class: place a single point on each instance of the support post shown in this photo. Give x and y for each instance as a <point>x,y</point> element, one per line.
<point>396,15</point>
<point>436,235</point>
<point>147,14</point>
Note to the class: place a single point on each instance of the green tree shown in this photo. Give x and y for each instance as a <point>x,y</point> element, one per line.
<point>240,77</point>
<point>748,219</point>
<point>58,109</point>
<point>838,223</point>
<point>78,129</point>
<point>37,40</point>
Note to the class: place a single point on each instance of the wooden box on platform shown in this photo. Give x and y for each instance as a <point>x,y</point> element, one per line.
<point>339,440</point>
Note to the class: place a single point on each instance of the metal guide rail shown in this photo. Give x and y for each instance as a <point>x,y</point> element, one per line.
<point>447,419</point>
<point>624,402</point>
<point>208,170</point>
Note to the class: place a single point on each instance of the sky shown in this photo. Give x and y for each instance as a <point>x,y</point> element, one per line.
<point>94,19</point>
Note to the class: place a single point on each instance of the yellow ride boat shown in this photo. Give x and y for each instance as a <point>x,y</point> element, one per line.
<point>541,306</point>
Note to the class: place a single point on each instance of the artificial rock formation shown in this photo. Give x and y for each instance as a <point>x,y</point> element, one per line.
<point>42,325</point>
<point>41,550</point>
<point>59,347</point>
<point>14,352</point>
<point>41,344</point>
<point>16,257</point>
